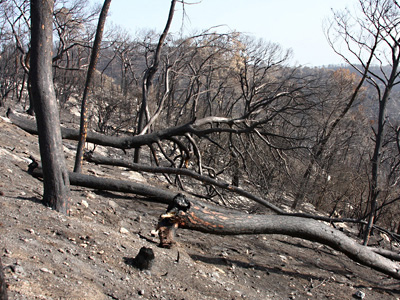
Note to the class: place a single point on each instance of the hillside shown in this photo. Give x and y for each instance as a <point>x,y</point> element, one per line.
<point>88,255</point>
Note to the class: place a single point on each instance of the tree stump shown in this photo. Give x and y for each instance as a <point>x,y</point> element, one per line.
<point>145,258</point>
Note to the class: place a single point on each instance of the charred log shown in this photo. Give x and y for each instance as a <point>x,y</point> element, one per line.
<point>102,160</point>
<point>97,159</point>
<point>201,217</point>
<point>97,183</point>
<point>195,127</point>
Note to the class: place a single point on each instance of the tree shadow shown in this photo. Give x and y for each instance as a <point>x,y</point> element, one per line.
<point>130,261</point>
<point>245,265</point>
<point>306,247</point>
<point>32,199</point>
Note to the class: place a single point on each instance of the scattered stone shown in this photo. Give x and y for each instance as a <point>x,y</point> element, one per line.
<point>85,204</point>
<point>31,231</point>
<point>90,195</point>
<point>17,269</point>
<point>359,295</point>
<point>45,270</point>
<point>141,292</point>
<point>123,230</point>
<point>112,204</point>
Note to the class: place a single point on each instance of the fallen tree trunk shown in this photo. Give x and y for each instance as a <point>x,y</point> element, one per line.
<point>386,253</point>
<point>102,160</point>
<point>129,142</point>
<point>208,218</point>
<point>202,217</point>
<point>106,184</point>
<point>98,159</point>
<point>29,125</point>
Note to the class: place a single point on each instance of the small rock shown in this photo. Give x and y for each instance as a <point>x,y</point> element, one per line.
<point>112,204</point>
<point>85,203</point>
<point>45,270</point>
<point>17,269</point>
<point>7,253</point>
<point>123,230</point>
<point>359,295</point>
<point>90,195</point>
<point>141,292</point>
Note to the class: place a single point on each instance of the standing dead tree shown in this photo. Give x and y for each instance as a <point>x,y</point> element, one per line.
<point>55,176</point>
<point>148,77</point>
<point>92,66</point>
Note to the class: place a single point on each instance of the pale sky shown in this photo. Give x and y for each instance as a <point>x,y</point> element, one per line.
<point>295,24</point>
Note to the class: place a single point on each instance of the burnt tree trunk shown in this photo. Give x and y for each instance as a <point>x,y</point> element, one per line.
<point>92,67</point>
<point>204,217</point>
<point>148,77</point>
<point>55,175</point>
<point>3,285</point>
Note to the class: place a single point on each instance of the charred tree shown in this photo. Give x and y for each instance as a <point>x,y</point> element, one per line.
<point>55,174</point>
<point>92,67</point>
<point>148,77</point>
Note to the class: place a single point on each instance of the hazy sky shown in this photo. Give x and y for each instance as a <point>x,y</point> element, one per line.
<point>296,24</point>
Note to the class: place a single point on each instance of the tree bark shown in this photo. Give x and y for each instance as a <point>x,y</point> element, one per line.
<point>213,219</point>
<point>55,175</point>
<point>92,67</point>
